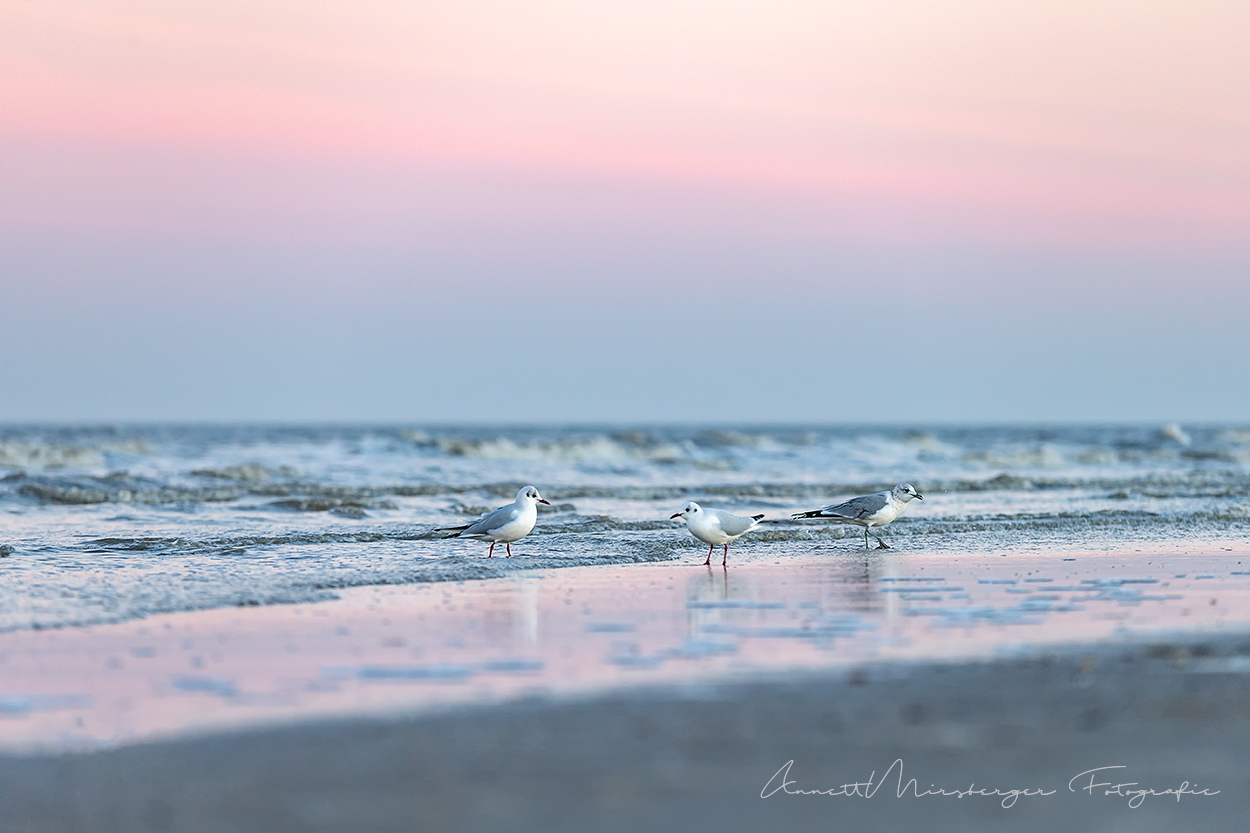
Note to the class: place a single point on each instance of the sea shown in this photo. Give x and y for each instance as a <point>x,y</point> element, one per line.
<point>110,523</point>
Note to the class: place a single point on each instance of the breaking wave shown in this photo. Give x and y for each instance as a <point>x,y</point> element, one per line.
<point>112,522</point>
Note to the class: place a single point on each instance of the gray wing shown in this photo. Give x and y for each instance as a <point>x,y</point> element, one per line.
<point>857,508</point>
<point>733,524</point>
<point>491,521</point>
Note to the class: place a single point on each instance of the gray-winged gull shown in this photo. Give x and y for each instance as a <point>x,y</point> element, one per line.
<point>868,510</point>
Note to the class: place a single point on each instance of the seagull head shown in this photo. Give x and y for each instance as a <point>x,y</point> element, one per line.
<point>530,493</point>
<point>905,492</point>
<point>687,511</point>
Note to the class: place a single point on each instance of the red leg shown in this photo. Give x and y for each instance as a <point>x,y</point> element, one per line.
<point>491,554</point>
<point>509,546</point>
<point>725,560</point>
<point>708,561</point>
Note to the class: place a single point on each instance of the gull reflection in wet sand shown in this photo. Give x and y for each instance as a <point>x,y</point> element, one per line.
<point>578,630</point>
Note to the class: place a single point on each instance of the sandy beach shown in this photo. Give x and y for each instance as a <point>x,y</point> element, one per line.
<point>261,628</point>
<point>629,696</point>
<point>1173,715</point>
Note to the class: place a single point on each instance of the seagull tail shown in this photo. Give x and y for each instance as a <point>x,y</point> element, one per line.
<point>835,519</point>
<point>757,517</point>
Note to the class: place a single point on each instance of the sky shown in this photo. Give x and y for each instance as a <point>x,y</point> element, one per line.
<point>732,211</point>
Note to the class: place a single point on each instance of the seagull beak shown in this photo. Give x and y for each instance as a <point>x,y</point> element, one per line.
<point>675,517</point>
<point>548,503</point>
<point>919,496</point>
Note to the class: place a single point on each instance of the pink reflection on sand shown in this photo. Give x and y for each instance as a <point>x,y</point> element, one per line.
<point>572,632</point>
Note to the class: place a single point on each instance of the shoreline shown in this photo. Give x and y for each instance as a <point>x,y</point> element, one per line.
<point>191,588</point>
<point>637,696</point>
<point>581,632</point>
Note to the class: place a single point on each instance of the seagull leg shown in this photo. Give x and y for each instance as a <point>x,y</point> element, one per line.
<point>509,546</point>
<point>865,539</point>
<point>726,558</point>
<point>491,554</point>
<point>708,561</point>
<point>882,545</point>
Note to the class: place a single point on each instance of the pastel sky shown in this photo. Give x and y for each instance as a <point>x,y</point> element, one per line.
<point>509,211</point>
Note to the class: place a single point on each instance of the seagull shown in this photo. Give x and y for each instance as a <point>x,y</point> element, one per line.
<point>715,526</point>
<point>506,524</point>
<point>869,510</point>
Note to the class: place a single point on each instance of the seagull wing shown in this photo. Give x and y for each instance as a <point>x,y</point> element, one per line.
<point>858,508</point>
<point>731,524</point>
<point>855,509</point>
<point>492,521</point>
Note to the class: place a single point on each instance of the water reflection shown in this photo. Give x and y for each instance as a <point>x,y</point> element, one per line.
<point>382,649</point>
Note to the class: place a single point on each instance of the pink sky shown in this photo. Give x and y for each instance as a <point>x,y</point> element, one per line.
<point>1120,125</point>
<point>193,193</point>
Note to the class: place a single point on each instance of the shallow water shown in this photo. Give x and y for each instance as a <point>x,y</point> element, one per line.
<point>113,523</point>
<point>581,631</point>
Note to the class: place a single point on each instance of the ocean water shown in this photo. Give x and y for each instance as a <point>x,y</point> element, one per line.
<point>105,524</point>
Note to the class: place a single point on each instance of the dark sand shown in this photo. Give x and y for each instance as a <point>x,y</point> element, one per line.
<point>697,758</point>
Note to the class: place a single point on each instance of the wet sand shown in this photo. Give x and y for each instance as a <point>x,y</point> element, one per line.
<point>699,760</point>
<point>647,695</point>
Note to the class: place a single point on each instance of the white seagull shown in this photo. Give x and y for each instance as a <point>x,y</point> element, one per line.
<point>869,510</point>
<point>506,524</point>
<point>715,527</point>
